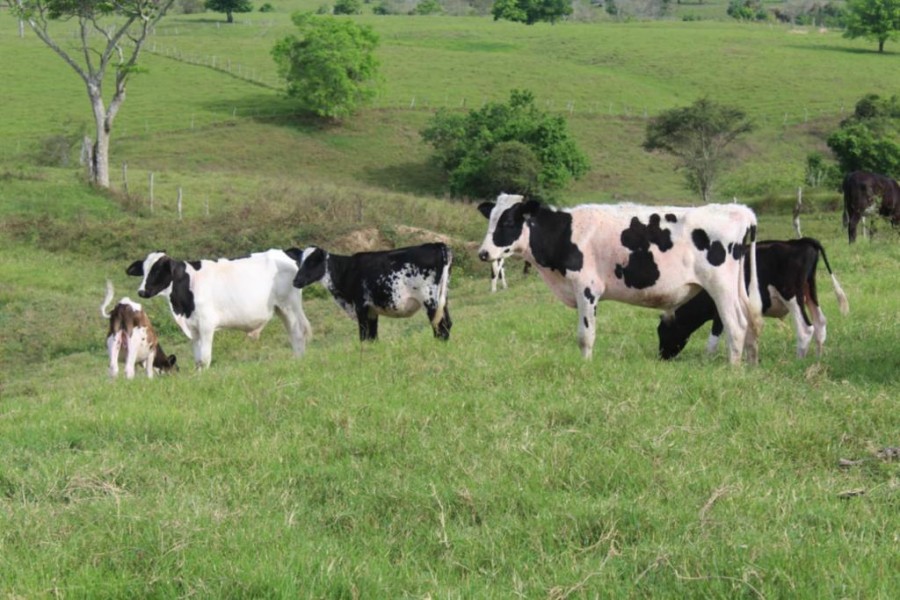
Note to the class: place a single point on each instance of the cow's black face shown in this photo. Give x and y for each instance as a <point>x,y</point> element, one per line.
<point>158,274</point>
<point>671,340</point>
<point>313,265</point>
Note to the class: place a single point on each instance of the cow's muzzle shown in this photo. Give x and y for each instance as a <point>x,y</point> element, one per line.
<point>143,294</point>
<point>483,255</point>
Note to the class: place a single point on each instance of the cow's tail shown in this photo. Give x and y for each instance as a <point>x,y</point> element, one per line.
<point>106,301</point>
<point>843,303</point>
<point>443,286</point>
<point>755,307</point>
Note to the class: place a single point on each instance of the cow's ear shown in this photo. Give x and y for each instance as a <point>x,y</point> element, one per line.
<point>486,208</point>
<point>135,269</point>
<point>529,207</point>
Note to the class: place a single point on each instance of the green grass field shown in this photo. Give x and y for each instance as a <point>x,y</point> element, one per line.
<point>498,465</point>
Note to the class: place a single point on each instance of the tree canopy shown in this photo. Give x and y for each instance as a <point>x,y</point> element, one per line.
<point>531,11</point>
<point>868,139</point>
<point>698,136</point>
<point>229,7</point>
<point>122,26</point>
<point>330,65</point>
<point>505,147</point>
<point>876,20</point>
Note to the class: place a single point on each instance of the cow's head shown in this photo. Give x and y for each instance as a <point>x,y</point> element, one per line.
<point>312,267</point>
<point>671,338</point>
<point>164,363</point>
<point>157,271</point>
<point>506,224</point>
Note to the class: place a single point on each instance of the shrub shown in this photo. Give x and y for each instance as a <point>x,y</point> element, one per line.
<point>348,7</point>
<point>266,8</point>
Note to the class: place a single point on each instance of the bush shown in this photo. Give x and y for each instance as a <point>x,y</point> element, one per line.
<point>475,149</point>
<point>266,8</point>
<point>867,140</point>
<point>819,173</point>
<point>428,7</point>
<point>348,7</point>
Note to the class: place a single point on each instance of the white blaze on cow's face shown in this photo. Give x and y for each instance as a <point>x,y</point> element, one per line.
<point>505,226</point>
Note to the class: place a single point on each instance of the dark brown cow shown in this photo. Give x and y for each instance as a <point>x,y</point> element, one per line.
<point>860,190</point>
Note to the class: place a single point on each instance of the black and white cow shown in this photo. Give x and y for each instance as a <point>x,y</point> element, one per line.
<point>861,189</point>
<point>658,257</point>
<point>240,293</point>
<point>787,284</point>
<point>393,283</point>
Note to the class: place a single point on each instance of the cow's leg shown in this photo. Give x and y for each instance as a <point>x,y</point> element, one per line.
<point>802,328</point>
<point>819,325</point>
<point>148,364</point>
<point>203,342</point>
<point>735,325</point>
<point>442,328</point>
<point>368,324</point>
<point>135,341</point>
<point>296,324</point>
<point>712,343</point>
<point>113,345</point>
<point>496,269</point>
<point>852,223</point>
<point>586,302</point>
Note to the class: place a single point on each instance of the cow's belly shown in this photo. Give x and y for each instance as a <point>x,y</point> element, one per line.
<point>244,320</point>
<point>656,296</point>
<point>779,306</point>
<point>401,308</point>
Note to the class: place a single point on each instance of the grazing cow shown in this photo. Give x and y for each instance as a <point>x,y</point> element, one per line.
<point>787,284</point>
<point>860,190</point>
<point>393,283</point>
<point>130,328</point>
<point>649,256</point>
<point>241,293</point>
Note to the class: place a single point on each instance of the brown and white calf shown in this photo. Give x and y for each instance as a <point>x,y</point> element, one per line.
<point>658,257</point>
<point>130,330</point>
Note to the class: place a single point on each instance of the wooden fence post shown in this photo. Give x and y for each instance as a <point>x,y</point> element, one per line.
<point>179,203</point>
<point>151,192</point>
<point>797,208</point>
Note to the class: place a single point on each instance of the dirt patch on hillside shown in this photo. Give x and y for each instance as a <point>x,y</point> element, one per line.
<point>370,238</point>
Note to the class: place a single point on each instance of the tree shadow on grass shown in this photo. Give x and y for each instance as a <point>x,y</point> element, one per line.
<point>421,178</point>
<point>275,110</point>
<point>841,49</point>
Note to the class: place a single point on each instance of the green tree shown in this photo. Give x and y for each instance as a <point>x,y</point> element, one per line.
<point>877,20</point>
<point>531,11</point>
<point>477,148</point>
<point>122,26</point>
<point>347,7</point>
<point>329,66</point>
<point>229,7</point>
<point>868,139</point>
<point>698,136</point>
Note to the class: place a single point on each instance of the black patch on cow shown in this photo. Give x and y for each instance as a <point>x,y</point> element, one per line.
<point>181,298</point>
<point>737,250</point>
<point>700,239</point>
<point>312,269</point>
<point>586,325</point>
<point>588,295</point>
<point>671,218</point>
<point>551,240</point>
<point>715,251</point>
<point>196,264</point>
<point>716,255</point>
<point>641,271</point>
<point>135,269</point>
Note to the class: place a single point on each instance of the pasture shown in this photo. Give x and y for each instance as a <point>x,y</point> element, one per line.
<point>497,465</point>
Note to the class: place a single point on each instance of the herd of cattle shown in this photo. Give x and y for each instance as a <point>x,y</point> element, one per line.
<point>695,264</point>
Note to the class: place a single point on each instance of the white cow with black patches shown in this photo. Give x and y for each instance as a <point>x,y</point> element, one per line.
<point>392,283</point>
<point>658,257</point>
<point>242,293</point>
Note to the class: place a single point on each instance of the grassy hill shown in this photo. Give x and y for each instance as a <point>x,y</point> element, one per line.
<point>497,465</point>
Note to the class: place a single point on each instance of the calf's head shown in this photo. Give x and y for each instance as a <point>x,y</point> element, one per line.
<point>157,271</point>
<point>164,363</point>
<point>671,339</point>
<point>312,267</point>
<point>506,225</point>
